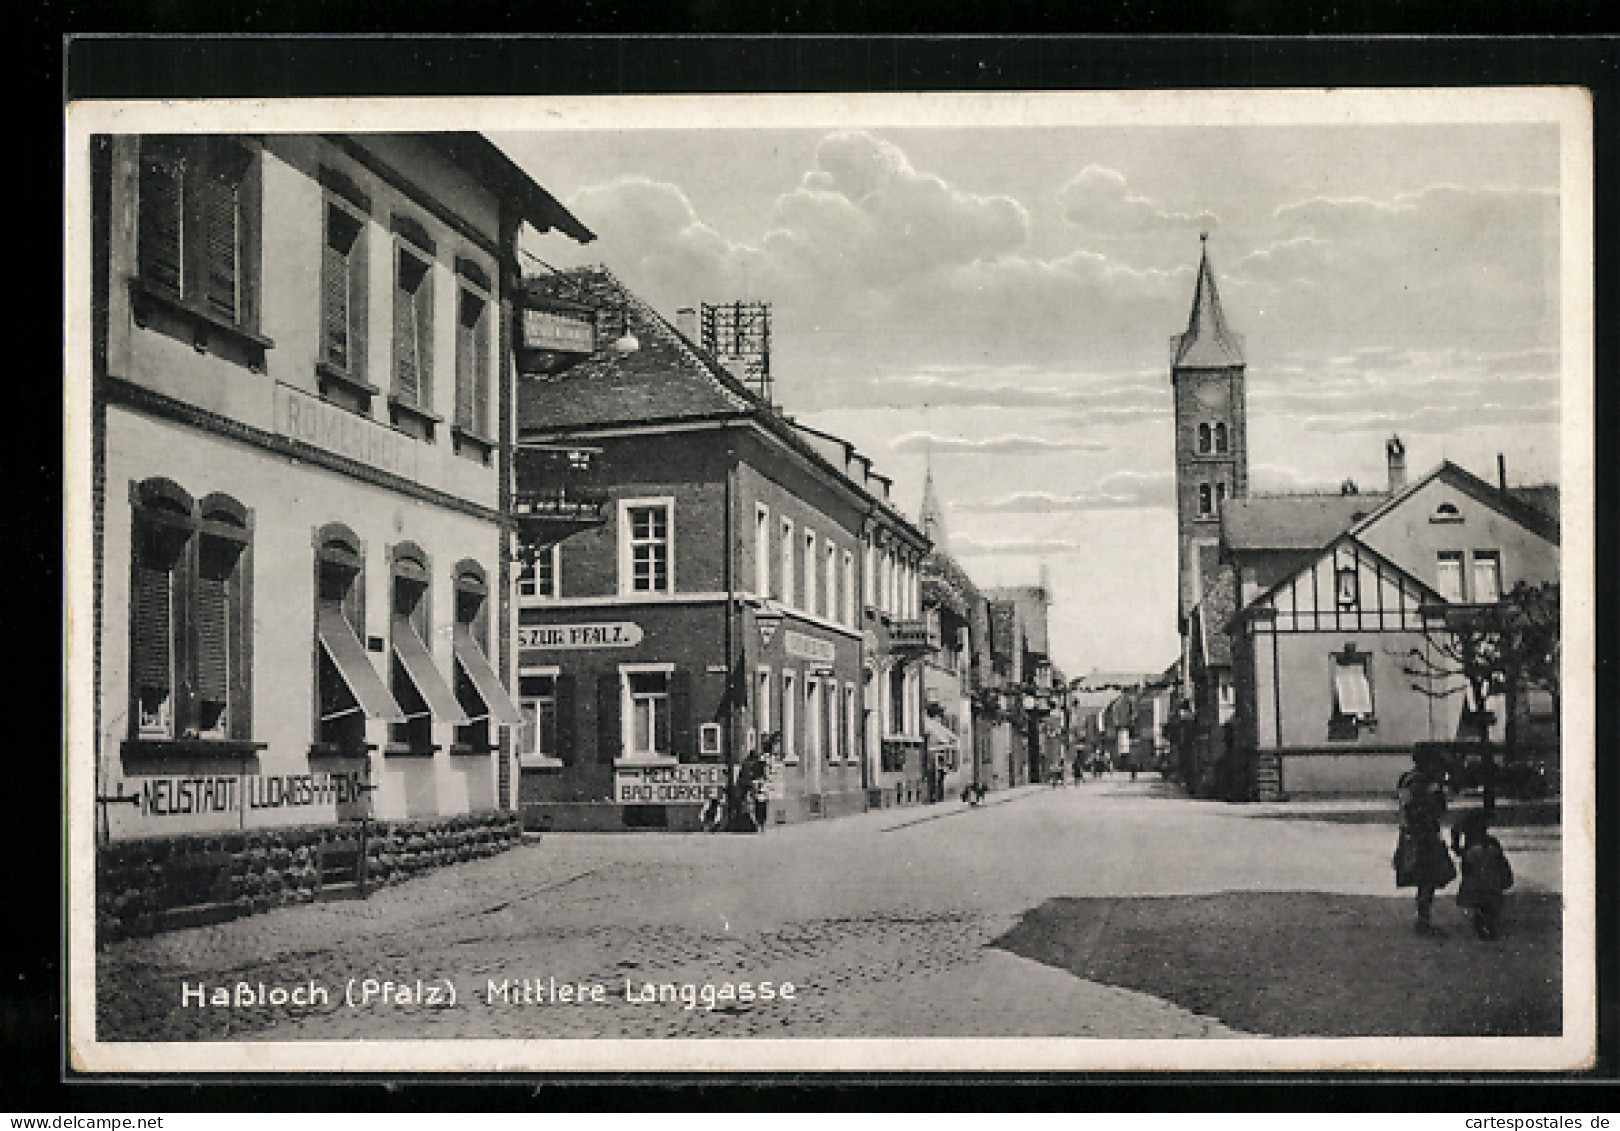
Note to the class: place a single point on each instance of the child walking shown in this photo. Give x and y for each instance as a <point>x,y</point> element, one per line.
<point>1486,873</point>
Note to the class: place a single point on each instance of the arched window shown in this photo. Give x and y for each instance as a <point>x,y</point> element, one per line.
<point>1203,439</point>
<point>189,616</point>
<point>348,689</point>
<point>478,689</point>
<point>418,686</point>
<point>1220,438</point>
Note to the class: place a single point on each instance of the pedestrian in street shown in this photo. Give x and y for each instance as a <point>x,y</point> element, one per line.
<point>1486,873</point>
<point>1421,859</point>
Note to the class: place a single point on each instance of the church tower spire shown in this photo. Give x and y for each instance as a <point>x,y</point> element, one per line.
<point>1211,435</point>
<point>931,517</point>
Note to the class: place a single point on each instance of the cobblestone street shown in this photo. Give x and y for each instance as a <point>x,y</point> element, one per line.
<point>882,923</point>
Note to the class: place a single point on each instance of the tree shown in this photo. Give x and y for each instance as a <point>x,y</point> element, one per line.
<point>1482,651</point>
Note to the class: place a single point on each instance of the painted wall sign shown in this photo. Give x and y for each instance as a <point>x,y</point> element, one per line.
<point>809,647</point>
<point>177,796</point>
<point>668,785</point>
<point>611,634</point>
<point>300,416</point>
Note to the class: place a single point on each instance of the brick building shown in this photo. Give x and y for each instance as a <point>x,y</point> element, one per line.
<point>720,581</point>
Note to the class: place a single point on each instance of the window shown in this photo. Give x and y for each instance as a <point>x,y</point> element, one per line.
<point>710,743</point>
<point>197,224</point>
<point>1487,577</point>
<point>347,688</point>
<point>479,692</point>
<point>541,579</point>
<point>1203,439</point>
<point>537,706</point>
<point>1449,575</point>
<point>898,713</point>
<point>646,563</point>
<point>418,687</point>
<point>849,587</point>
<point>762,706</point>
<point>1220,495</point>
<point>851,723</point>
<point>1220,438</point>
<point>472,359</point>
<point>830,583</point>
<point>190,622</point>
<point>1446,512</point>
<point>1352,694</point>
<point>762,550</point>
<point>413,328</point>
<point>809,602</point>
<point>790,738</point>
<point>646,699</point>
<point>786,580</point>
<point>343,293</point>
<point>814,732</point>
<point>869,575</point>
<point>1205,500</point>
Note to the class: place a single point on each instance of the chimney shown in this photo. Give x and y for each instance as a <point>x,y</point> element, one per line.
<point>1396,452</point>
<point>1501,471</point>
<point>686,321</point>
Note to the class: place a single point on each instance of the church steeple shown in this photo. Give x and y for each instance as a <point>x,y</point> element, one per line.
<point>1208,343</point>
<point>932,516</point>
<point>1211,434</point>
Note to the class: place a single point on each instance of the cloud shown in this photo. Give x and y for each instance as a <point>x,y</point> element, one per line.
<point>965,547</point>
<point>1011,444</point>
<point>1121,490</point>
<point>1099,200</point>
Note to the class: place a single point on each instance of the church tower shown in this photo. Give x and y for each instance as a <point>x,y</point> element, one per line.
<point>1212,451</point>
<point>931,517</point>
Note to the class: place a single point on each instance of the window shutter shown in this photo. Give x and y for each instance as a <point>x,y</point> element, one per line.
<point>567,740</point>
<point>607,717</point>
<point>480,369</point>
<point>335,290</point>
<point>680,713</point>
<point>153,626</point>
<point>212,619</point>
<point>161,178</point>
<point>423,301</point>
<point>218,212</point>
<point>464,364</point>
<point>406,385</point>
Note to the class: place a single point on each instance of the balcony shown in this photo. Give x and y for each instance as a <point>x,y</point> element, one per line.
<point>913,637</point>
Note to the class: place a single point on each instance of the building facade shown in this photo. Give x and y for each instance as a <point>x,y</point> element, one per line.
<point>743,587</point>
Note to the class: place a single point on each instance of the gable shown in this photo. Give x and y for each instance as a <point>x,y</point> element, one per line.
<point>1382,597</point>
<point>1453,512</point>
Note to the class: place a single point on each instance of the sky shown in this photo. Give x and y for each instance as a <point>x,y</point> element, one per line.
<point>996,304</point>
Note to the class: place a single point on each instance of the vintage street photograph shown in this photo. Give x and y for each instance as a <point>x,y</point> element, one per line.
<point>994,582</point>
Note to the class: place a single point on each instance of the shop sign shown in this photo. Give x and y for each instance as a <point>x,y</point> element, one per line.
<point>193,796</point>
<point>611,634</point>
<point>686,784</point>
<point>809,647</point>
<point>300,416</point>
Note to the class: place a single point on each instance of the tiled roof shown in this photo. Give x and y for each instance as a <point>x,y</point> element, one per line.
<point>1292,522</point>
<point>1543,497</point>
<point>665,378</point>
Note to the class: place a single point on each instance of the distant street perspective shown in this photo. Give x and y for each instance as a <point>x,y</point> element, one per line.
<point>1111,908</point>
